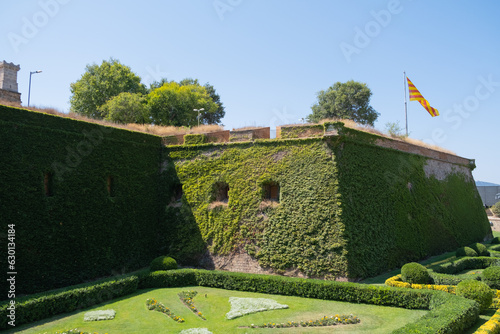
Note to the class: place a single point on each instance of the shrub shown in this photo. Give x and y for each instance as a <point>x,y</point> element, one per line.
<point>163,263</point>
<point>477,291</point>
<point>491,276</point>
<point>480,249</point>
<point>495,240</point>
<point>48,304</point>
<point>415,273</point>
<point>446,279</point>
<point>496,209</point>
<point>465,251</point>
<point>466,263</point>
<point>194,139</point>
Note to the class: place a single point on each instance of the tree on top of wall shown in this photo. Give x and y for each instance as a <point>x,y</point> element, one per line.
<point>349,100</point>
<point>101,83</point>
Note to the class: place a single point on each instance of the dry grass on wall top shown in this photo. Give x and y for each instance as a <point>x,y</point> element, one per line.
<point>366,128</point>
<point>144,128</point>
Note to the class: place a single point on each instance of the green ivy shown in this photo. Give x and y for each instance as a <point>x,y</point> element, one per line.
<point>347,207</point>
<point>310,130</point>
<point>81,232</point>
<point>303,231</point>
<point>194,139</point>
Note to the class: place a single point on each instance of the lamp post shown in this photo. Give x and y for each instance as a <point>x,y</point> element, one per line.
<point>198,110</point>
<point>29,89</point>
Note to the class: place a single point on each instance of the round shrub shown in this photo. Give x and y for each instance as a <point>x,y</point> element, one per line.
<point>496,209</point>
<point>477,291</point>
<point>495,240</point>
<point>465,251</point>
<point>163,263</point>
<point>415,273</point>
<point>491,276</point>
<point>480,249</point>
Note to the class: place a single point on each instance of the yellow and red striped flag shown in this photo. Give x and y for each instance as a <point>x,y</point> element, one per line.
<point>416,96</point>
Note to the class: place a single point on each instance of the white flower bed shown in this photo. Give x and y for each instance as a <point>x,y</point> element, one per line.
<point>99,315</point>
<point>196,331</point>
<point>243,306</point>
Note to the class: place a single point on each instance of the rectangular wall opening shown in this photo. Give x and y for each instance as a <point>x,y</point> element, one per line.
<point>48,184</point>
<point>271,191</point>
<point>111,186</point>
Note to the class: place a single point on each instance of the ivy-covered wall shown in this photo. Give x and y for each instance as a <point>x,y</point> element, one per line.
<point>89,200</point>
<point>347,207</point>
<point>303,230</point>
<point>394,212</point>
<point>86,200</point>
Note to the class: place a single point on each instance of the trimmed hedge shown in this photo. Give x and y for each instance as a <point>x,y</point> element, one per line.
<point>163,263</point>
<point>480,249</point>
<point>415,273</point>
<point>466,263</point>
<point>465,251</point>
<point>448,279</point>
<point>491,276</point>
<point>42,306</point>
<point>477,291</point>
<point>448,313</point>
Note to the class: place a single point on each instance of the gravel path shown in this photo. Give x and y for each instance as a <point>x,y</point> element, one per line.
<point>496,223</point>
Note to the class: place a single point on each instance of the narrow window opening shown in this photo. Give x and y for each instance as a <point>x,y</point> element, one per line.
<point>48,183</point>
<point>177,195</point>
<point>271,191</point>
<point>111,186</point>
<point>221,192</point>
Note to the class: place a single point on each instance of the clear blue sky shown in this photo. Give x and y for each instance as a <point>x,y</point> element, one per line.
<point>268,59</point>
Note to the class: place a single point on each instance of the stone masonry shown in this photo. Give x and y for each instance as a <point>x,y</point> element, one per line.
<point>8,82</point>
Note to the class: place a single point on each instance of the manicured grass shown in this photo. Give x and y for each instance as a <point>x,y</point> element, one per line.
<point>132,316</point>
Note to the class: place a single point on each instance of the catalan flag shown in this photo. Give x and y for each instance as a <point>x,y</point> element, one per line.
<point>416,96</point>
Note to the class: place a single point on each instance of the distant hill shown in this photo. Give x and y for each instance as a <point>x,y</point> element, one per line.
<point>486,184</point>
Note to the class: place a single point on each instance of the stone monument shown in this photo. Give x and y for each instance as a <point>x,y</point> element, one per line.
<point>8,83</point>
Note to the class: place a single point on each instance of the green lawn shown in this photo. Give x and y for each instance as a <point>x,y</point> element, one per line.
<point>132,316</point>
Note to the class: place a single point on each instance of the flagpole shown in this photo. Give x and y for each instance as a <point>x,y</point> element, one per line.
<point>406,110</point>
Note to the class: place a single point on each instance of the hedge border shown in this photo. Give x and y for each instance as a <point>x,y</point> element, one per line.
<point>465,263</point>
<point>447,313</point>
<point>491,326</point>
<point>43,306</point>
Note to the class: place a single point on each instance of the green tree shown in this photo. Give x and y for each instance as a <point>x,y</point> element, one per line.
<point>173,104</point>
<point>496,209</point>
<point>395,130</point>
<point>350,100</point>
<point>100,83</point>
<point>212,117</point>
<point>126,108</point>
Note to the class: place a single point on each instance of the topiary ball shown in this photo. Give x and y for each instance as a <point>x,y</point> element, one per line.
<point>480,249</point>
<point>495,240</point>
<point>415,273</point>
<point>163,263</point>
<point>477,291</point>
<point>465,251</point>
<point>491,276</point>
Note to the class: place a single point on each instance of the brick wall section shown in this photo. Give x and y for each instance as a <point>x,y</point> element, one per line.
<point>262,133</point>
<point>218,137</point>
<point>250,134</point>
<point>243,263</point>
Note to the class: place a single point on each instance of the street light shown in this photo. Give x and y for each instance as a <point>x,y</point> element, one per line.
<point>29,89</point>
<point>199,115</point>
